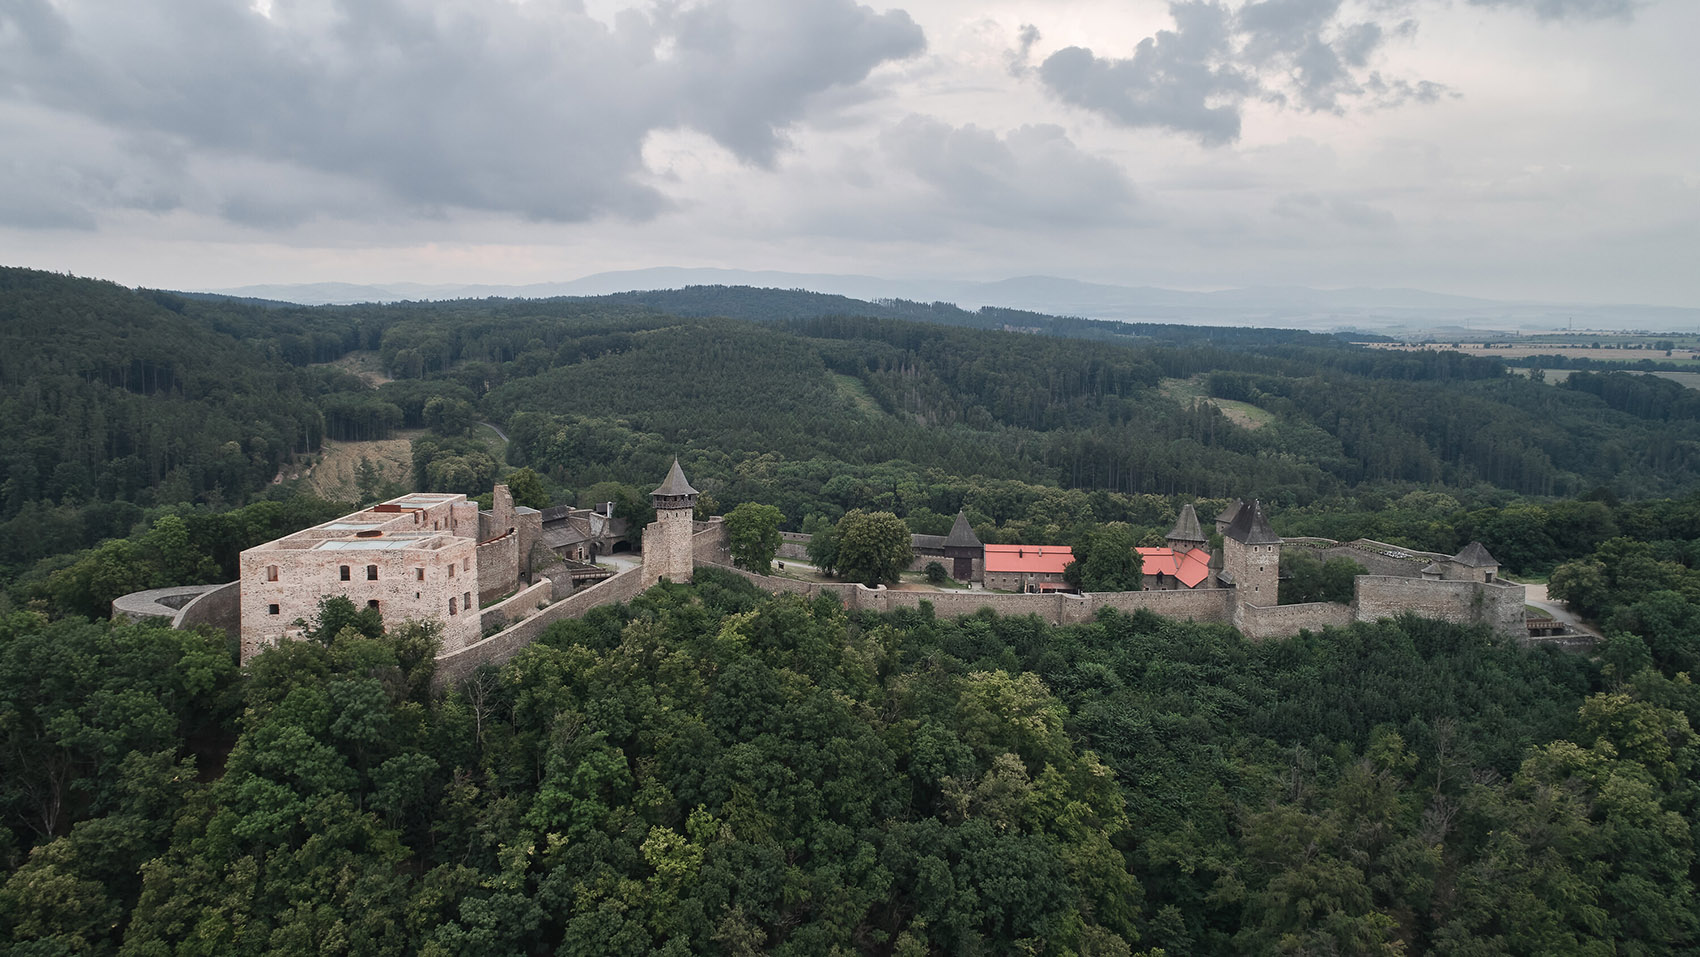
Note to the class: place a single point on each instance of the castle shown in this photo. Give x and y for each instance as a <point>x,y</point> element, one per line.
<point>495,583</point>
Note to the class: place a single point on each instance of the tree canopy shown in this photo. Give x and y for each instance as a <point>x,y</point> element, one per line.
<point>872,547</point>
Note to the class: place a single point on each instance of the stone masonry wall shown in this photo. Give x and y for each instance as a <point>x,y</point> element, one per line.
<point>710,544</point>
<point>454,667</point>
<point>1282,621</point>
<point>1058,609</point>
<point>1500,606</point>
<point>498,566</point>
<point>307,575</point>
<point>513,609</point>
<point>794,545</point>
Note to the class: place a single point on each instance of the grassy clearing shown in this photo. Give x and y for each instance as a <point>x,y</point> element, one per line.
<point>336,474</point>
<point>367,365</point>
<point>855,391</point>
<point>1191,392</point>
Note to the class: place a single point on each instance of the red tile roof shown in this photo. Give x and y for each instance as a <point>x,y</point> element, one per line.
<point>1191,567</point>
<point>1032,559</point>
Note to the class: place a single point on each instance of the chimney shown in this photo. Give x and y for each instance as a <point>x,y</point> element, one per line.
<point>608,509</point>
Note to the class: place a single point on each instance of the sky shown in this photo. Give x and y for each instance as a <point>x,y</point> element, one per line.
<point>1516,149</point>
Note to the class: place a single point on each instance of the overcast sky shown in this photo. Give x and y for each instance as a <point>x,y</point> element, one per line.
<point>1535,149</point>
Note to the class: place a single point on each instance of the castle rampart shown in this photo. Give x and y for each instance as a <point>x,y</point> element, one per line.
<point>1495,604</point>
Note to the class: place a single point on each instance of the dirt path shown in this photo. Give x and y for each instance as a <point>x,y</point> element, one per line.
<point>1536,596</point>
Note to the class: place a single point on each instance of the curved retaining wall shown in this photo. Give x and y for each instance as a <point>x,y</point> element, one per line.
<point>220,608</point>
<point>157,602</point>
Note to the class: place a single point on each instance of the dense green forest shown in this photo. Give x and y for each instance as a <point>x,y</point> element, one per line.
<point>710,770</point>
<point>123,407</point>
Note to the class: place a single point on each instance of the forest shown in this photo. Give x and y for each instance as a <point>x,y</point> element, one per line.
<point>710,770</point>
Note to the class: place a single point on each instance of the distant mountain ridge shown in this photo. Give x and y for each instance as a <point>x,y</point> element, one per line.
<point>1375,310</point>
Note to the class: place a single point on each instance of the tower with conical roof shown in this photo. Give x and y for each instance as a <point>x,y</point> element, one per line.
<point>667,541</point>
<point>1187,533</point>
<point>963,548</point>
<point>1251,556</point>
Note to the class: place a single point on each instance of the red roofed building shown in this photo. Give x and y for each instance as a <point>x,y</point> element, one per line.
<point>1027,567</point>
<point>1166,568</point>
<point>1185,563</point>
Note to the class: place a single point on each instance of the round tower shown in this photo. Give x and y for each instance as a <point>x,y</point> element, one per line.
<point>667,541</point>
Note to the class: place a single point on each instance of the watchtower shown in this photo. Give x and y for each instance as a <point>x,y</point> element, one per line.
<point>1251,557</point>
<point>1187,533</point>
<point>667,540</point>
<point>963,548</point>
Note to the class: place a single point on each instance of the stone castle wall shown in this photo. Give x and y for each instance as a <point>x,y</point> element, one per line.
<point>497,561</point>
<point>504,613</point>
<point>1497,605</point>
<point>794,545</point>
<point>454,667</point>
<point>1283,621</point>
<point>1210,605</point>
<point>305,576</point>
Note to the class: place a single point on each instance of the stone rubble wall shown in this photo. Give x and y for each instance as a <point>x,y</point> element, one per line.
<point>1284,621</point>
<point>454,667</point>
<point>1498,605</point>
<point>523,603</point>
<point>498,566</point>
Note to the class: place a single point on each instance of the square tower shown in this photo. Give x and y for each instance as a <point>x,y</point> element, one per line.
<point>1251,557</point>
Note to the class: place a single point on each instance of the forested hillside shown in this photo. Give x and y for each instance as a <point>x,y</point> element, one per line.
<point>708,770</point>
<point>122,406</point>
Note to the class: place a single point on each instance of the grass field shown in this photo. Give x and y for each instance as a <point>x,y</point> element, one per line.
<point>1243,414</point>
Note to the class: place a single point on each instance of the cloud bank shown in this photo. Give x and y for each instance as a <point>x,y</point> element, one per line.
<point>533,109</point>
<point>1196,78</point>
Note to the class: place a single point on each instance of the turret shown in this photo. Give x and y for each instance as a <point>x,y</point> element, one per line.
<point>667,549</point>
<point>1187,533</point>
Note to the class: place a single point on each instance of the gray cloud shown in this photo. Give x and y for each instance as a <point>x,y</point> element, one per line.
<point>535,109</point>
<point>1033,175</point>
<point>1170,81</point>
<point>1196,78</point>
<point>1570,9</point>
